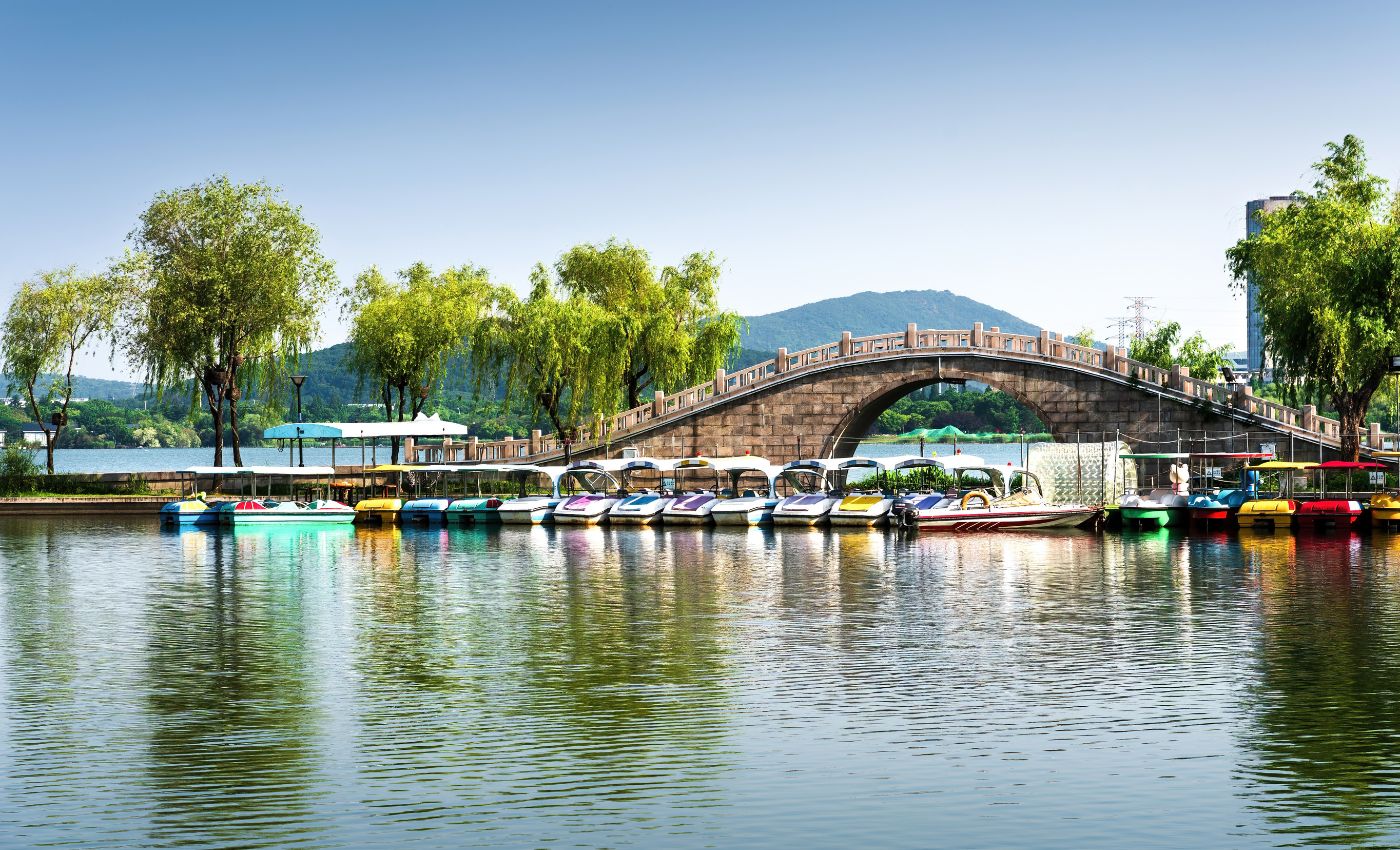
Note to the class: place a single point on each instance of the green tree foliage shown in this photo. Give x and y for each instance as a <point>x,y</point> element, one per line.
<point>232,283</point>
<point>563,354</point>
<point>1328,289</point>
<point>49,321</point>
<point>673,333</point>
<point>403,334</point>
<point>1160,348</point>
<point>1085,337</point>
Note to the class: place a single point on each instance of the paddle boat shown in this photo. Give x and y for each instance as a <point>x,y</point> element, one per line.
<point>1160,507</point>
<point>196,508</point>
<point>1323,512</point>
<point>480,509</point>
<point>749,506</point>
<point>1384,508</point>
<point>1012,499</point>
<point>870,506</point>
<point>697,507</point>
<point>1218,507</point>
<point>384,509</point>
<point>604,490</point>
<point>532,509</point>
<point>1276,512</point>
<point>248,511</point>
<point>821,493</point>
<point>425,508</point>
<point>644,506</point>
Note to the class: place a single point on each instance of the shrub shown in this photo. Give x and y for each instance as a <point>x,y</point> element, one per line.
<point>19,472</point>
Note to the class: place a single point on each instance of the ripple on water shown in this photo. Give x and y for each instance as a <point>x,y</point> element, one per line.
<point>682,688</point>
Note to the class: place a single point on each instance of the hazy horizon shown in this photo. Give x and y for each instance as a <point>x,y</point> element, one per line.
<point>1044,161</point>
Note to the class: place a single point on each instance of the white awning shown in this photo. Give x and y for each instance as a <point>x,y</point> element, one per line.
<point>421,426</point>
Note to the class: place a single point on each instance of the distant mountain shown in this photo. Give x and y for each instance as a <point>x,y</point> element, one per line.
<point>868,313</point>
<point>84,387</point>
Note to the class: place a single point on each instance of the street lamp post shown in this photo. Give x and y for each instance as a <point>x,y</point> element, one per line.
<point>297,381</point>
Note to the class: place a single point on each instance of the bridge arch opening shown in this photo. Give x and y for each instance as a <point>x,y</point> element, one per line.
<point>861,418</point>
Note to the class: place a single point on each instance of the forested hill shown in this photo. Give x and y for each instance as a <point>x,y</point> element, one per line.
<point>868,313</point>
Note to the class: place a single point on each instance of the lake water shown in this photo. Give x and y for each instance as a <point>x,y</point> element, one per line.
<point>152,460</point>
<point>341,687</point>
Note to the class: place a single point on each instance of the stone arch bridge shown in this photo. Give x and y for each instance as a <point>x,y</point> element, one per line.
<point>819,402</point>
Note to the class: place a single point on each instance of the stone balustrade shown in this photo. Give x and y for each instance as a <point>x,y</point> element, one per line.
<point>1046,346</point>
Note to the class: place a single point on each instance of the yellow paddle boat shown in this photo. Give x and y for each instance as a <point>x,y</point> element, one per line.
<point>1276,512</point>
<point>384,508</point>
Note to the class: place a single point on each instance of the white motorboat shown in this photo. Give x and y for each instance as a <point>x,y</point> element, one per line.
<point>528,509</point>
<point>603,491</point>
<point>870,504</point>
<point>644,506</point>
<point>813,505</point>
<point>990,498</point>
<point>749,505</point>
<point>698,506</point>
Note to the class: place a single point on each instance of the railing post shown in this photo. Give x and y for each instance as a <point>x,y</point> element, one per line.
<point>1044,343</point>
<point>845,350</point>
<point>1373,439</point>
<point>472,450</point>
<point>1242,397</point>
<point>1179,375</point>
<point>780,363</point>
<point>410,451</point>
<point>1309,417</point>
<point>658,404</point>
<point>976,335</point>
<point>1120,357</point>
<point>911,335</point>
<point>536,438</point>
<point>719,381</point>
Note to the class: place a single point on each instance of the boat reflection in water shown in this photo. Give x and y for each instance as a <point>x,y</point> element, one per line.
<point>721,686</point>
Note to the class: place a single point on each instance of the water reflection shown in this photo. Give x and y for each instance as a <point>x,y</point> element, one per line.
<point>336,687</point>
<point>1322,754</point>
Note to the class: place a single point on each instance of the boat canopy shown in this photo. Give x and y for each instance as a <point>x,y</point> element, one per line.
<point>419,426</point>
<point>960,461</point>
<point>1385,453</point>
<point>1282,464</point>
<point>814,464</point>
<point>604,465</point>
<point>724,464</point>
<point>1349,464</point>
<point>259,470</point>
<point>890,464</point>
<point>1232,455</point>
<point>648,463</point>
<point>1161,456</point>
<point>394,467</point>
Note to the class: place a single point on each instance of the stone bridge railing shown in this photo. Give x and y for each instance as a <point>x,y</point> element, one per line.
<point>1112,363</point>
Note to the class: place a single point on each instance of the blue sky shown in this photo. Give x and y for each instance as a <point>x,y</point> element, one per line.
<point>1047,160</point>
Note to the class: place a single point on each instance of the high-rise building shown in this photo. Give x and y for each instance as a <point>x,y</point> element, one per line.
<point>1255,327</point>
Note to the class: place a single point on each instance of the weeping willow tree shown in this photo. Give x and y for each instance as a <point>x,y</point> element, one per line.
<point>49,321</point>
<point>232,283</point>
<point>562,354</point>
<point>673,333</point>
<point>1326,272</point>
<point>405,333</point>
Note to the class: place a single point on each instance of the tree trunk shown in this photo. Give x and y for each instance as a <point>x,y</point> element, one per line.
<point>233,432</point>
<point>216,412</point>
<point>214,399</point>
<point>394,441</point>
<point>50,437</point>
<point>1352,418</point>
